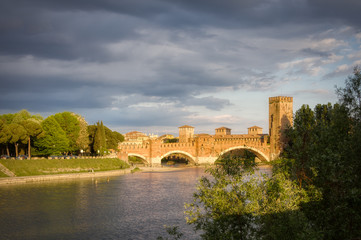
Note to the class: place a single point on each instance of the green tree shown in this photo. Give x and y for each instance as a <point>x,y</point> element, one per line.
<point>18,136</point>
<point>7,118</point>
<point>350,95</point>
<point>325,145</point>
<point>33,129</point>
<point>82,141</point>
<point>103,136</point>
<point>99,139</point>
<point>236,203</point>
<point>92,130</point>
<point>21,116</point>
<point>54,141</point>
<point>71,126</point>
<point>5,135</point>
<point>113,138</point>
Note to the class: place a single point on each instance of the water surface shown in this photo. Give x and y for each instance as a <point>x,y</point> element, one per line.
<point>132,206</point>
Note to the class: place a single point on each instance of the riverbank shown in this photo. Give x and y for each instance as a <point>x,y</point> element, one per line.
<point>109,173</point>
<point>37,167</point>
<point>70,176</point>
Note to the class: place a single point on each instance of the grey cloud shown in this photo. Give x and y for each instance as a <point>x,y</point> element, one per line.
<point>315,52</point>
<point>140,117</point>
<point>180,51</point>
<point>78,29</point>
<point>211,103</point>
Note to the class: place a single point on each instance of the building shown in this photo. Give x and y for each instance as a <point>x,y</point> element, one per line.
<point>223,131</point>
<point>186,133</point>
<point>255,130</point>
<point>135,137</point>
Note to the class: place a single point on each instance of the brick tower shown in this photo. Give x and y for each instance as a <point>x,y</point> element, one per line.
<point>186,133</point>
<point>280,117</point>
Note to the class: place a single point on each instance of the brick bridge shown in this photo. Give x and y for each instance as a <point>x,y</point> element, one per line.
<point>206,149</point>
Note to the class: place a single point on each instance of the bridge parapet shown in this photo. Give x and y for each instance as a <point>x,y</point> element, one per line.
<point>204,149</point>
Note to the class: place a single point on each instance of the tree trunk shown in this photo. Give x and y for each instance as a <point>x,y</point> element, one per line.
<point>7,149</point>
<point>16,149</point>
<point>29,149</point>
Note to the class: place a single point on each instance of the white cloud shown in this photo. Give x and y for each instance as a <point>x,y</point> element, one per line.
<point>358,36</point>
<point>342,68</point>
<point>355,55</point>
<point>308,66</point>
<point>328,44</point>
<point>332,59</point>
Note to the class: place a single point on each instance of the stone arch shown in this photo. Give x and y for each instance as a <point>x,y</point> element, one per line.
<point>257,152</point>
<point>180,152</point>
<point>138,155</point>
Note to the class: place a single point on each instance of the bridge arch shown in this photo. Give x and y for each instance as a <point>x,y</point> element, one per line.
<point>139,156</point>
<point>258,153</point>
<point>179,152</point>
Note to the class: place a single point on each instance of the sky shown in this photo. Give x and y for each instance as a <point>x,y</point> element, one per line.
<point>155,65</point>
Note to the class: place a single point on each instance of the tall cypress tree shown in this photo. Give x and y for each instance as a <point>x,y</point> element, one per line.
<point>103,138</point>
<point>99,139</point>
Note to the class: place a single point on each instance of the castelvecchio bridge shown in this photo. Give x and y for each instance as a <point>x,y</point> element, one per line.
<point>206,149</point>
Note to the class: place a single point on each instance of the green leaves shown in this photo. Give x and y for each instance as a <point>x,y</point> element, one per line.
<point>18,133</point>
<point>235,202</point>
<point>70,125</point>
<point>326,147</point>
<point>54,141</point>
<point>350,95</point>
<point>99,139</point>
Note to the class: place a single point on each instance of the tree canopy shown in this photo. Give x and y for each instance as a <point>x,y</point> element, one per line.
<point>27,133</point>
<point>54,141</point>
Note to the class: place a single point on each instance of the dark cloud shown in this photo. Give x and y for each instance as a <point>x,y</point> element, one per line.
<point>315,52</point>
<point>158,57</point>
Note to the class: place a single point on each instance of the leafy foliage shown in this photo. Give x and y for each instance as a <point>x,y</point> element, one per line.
<point>22,130</point>
<point>236,203</point>
<point>71,126</point>
<point>82,141</point>
<point>99,139</point>
<point>325,145</point>
<point>172,231</point>
<point>113,138</point>
<point>33,129</point>
<point>350,96</point>
<point>54,141</point>
<point>5,134</point>
<point>18,135</point>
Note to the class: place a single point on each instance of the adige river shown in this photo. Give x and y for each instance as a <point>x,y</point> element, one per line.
<point>131,206</point>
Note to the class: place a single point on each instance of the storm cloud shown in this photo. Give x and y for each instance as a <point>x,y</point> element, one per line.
<point>152,63</point>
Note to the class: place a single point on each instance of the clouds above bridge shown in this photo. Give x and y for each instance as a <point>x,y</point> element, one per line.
<point>142,64</point>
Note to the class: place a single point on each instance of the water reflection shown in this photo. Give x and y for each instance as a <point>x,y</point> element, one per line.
<point>134,206</point>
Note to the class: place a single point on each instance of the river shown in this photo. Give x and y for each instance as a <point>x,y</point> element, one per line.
<point>131,206</point>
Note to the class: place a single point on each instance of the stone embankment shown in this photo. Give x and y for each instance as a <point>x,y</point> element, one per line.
<point>69,176</point>
<point>41,178</point>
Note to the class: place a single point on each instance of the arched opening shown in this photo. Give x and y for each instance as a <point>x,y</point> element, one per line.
<point>244,152</point>
<point>137,160</point>
<point>177,159</point>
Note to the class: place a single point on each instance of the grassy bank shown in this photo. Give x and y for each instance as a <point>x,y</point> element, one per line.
<point>58,166</point>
